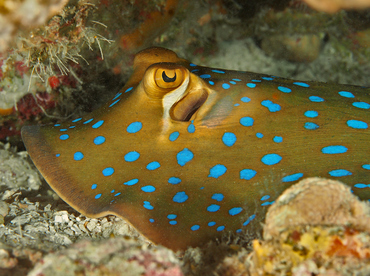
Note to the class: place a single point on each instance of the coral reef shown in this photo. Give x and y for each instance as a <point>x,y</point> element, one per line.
<point>205,32</point>
<point>16,16</point>
<point>116,256</point>
<point>315,227</point>
<point>336,5</point>
<point>16,170</point>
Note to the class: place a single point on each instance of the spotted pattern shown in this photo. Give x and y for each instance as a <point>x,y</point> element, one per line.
<point>229,139</point>
<point>134,127</point>
<point>272,107</point>
<point>184,157</point>
<point>271,159</point>
<point>217,173</point>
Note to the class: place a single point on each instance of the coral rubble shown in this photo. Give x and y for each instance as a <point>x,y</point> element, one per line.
<point>315,227</point>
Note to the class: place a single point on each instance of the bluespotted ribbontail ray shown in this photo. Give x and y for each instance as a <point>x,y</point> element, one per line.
<point>185,153</point>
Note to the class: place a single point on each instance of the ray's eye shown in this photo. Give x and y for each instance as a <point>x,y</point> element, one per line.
<point>168,78</point>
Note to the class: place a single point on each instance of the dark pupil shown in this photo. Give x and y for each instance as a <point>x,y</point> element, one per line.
<point>167,79</point>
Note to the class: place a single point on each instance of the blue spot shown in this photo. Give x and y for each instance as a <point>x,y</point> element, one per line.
<point>259,135</point>
<point>212,223</point>
<point>218,71</point>
<point>151,220</point>
<point>128,89</point>
<point>360,185</point>
<point>117,95</point>
<point>346,94</point>
<point>237,80</point>
<point>195,227</point>
<point>131,182</point>
<point>148,206</point>
<point>57,125</point>
<point>267,78</point>
<point>98,196</point>
<point>251,85</point>
<point>174,135</point>
<point>218,197</point>
<point>236,104</point>
<point>112,191</point>
<point>134,127</point>
<point>191,128</point>
<point>362,105</point>
<point>271,159</point>
<point>205,76</point>
<point>63,129</point>
<point>172,222</point>
<point>192,65</point>
<point>93,186</point>
<point>265,197</point>
<point>76,120</point>
<point>64,137</point>
<point>247,174</point>
<point>116,101</point>
<point>213,208</point>
<point>99,140</point>
<point>172,216</point>
<point>292,177</point>
<point>132,156</point>
<point>234,211</point>
<point>277,139</point>
<point>108,171</point>
<point>98,124</point>
<point>225,86</point>
<point>334,149</point>
<point>267,203</point>
<point>184,157</point>
<point>339,173</point>
<point>311,114</point>
<point>174,180</point>
<point>245,99</point>
<point>357,124</point>
<point>256,80</point>
<point>220,228</point>
<point>57,155</point>
<point>229,139</point>
<point>272,107</point>
<point>217,171</point>
<point>284,89</point>
<point>153,165</point>
<point>316,99</point>
<point>117,194</point>
<point>72,126</point>
<point>195,70</point>
<point>180,197</point>
<point>78,156</point>
<point>238,231</point>
<point>249,220</point>
<point>366,166</point>
<point>88,121</point>
<point>211,82</point>
<point>301,84</point>
<point>148,189</point>
<point>310,126</point>
<point>232,82</point>
<point>246,121</point>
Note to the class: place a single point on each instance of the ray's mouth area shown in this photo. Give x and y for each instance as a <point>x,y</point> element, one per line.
<point>184,109</point>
